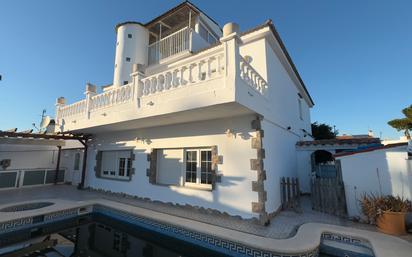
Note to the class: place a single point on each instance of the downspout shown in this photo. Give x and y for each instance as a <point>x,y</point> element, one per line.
<point>58,164</point>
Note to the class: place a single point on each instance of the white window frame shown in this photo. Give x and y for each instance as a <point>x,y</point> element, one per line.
<point>198,183</point>
<point>128,166</point>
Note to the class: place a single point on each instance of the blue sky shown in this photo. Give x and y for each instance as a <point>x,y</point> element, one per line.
<point>354,56</point>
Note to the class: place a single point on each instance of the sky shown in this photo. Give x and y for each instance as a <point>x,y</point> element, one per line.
<point>355,57</point>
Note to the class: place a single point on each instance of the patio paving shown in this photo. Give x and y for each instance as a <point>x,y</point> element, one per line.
<point>284,225</point>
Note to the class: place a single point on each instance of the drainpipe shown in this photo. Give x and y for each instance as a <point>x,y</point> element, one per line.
<point>81,185</point>
<point>58,164</point>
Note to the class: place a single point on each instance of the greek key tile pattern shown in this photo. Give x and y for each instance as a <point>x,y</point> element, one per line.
<point>346,239</point>
<point>37,220</point>
<point>358,247</point>
<point>15,224</point>
<point>61,214</point>
<point>210,242</point>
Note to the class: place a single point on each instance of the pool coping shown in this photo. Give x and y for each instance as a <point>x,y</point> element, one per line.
<point>305,241</point>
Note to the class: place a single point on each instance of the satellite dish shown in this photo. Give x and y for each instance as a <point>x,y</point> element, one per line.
<point>44,122</point>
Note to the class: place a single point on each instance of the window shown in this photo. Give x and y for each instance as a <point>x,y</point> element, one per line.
<point>127,59</point>
<point>206,34</point>
<point>116,164</point>
<point>76,161</point>
<point>125,166</point>
<point>191,166</point>
<point>203,32</point>
<point>129,35</point>
<point>300,108</point>
<point>184,167</point>
<point>125,82</point>
<point>206,167</point>
<point>198,167</point>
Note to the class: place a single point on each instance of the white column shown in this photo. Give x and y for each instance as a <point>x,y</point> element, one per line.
<point>90,91</point>
<point>60,102</point>
<point>137,75</point>
<point>231,41</point>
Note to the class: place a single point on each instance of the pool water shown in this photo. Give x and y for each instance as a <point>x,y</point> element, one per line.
<point>95,236</point>
<point>98,235</point>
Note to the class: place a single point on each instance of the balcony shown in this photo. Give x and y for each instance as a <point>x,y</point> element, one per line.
<point>173,44</point>
<point>205,85</point>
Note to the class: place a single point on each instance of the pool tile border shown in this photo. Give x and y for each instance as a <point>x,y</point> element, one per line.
<point>35,220</point>
<point>224,246</point>
<point>303,244</point>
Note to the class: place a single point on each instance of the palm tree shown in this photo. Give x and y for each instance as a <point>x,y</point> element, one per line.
<point>403,123</point>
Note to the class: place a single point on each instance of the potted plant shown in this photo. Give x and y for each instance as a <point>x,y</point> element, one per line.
<point>387,212</point>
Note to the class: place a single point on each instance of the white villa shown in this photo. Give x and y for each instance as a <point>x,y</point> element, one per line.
<point>196,115</point>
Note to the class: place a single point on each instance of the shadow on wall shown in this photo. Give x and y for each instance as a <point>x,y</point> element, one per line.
<point>173,192</point>
<point>380,172</point>
<point>238,126</point>
<point>171,173</point>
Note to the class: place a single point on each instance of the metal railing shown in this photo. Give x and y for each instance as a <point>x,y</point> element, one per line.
<point>170,45</point>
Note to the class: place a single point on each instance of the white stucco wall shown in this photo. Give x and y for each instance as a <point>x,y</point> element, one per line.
<point>135,48</point>
<point>283,124</point>
<point>280,161</point>
<point>29,156</point>
<point>385,171</point>
<point>67,162</point>
<point>281,105</point>
<point>233,195</point>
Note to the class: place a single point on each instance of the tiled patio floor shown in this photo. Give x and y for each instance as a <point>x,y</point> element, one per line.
<point>284,225</point>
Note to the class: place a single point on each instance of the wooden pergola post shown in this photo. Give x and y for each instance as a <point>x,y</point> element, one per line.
<point>56,175</point>
<point>84,166</point>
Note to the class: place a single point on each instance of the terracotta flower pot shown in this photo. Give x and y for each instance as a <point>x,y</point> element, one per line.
<point>392,223</point>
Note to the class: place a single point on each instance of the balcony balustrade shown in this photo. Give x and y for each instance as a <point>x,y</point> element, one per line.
<point>206,71</point>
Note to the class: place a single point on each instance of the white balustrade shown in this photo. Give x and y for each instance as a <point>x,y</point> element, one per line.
<point>170,45</point>
<point>112,97</point>
<point>73,109</point>
<point>252,77</point>
<point>192,71</point>
<point>196,71</point>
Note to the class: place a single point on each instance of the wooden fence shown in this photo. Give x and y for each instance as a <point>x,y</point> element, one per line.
<point>328,195</point>
<point>290,193</point>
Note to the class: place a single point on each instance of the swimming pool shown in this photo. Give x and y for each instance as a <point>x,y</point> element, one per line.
<point>114,232</point>
<point>98,234</point>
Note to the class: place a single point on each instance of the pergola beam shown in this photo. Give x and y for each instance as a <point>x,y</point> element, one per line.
<point>42,136</point>
<point>83,139</point>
